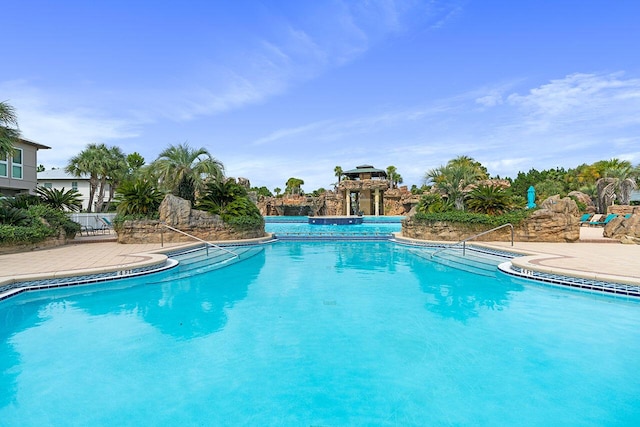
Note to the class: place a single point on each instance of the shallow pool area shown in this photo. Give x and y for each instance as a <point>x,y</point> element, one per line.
<point>319,333</point>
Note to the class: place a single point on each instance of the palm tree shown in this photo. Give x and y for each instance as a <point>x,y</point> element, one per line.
<point>180,166</point>
<point>471,163</point>
<point>59,199</point>
<point>338,172</point>
<point>489,199</point>
<point>9,132</point>
<point>393,176</point>
<point>433,203</point>
<point>135,161</point>
<point>452,179</point>
<point>138,197</point>
<point>219,194</point>
<point>116,170</point>
<point>89,163</point>
<point>293,186</point>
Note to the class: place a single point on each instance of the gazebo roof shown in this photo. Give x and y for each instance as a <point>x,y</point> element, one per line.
<point>354,173</point>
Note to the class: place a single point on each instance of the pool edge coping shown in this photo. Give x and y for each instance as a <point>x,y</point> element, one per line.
<point>153,258</point>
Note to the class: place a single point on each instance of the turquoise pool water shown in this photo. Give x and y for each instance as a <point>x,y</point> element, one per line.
<point>322,334</point>
<point>299,225</point>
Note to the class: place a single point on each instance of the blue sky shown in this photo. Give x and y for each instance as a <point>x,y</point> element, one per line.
<point>279,89</point>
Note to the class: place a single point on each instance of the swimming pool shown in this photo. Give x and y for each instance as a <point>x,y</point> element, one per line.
<point>320,333</point>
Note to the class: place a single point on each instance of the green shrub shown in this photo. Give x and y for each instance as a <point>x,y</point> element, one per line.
<point>13,216</point>
<point>139,197</point>
<point>60,199</point>
<point>218,194</point>
<point>489,199</point>
<point>21,201</point>
<point>513,217</point>
<point>581,206</point>
<point>39,222</point>
<point>18,234</point>
<point>242,214</point>
<point>432,203</point>
<point>55,218</point>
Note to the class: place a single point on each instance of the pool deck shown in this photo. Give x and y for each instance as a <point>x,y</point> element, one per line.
<point>591,257</point>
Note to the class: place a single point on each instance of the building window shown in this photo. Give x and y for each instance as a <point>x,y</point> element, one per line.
<point>74,185</point>
<point>47,185</point>
<point>4,169</point>
<point>16,164</point>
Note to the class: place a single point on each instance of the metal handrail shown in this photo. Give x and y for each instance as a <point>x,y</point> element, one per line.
<point>206,244</point>
<point>464,242</point>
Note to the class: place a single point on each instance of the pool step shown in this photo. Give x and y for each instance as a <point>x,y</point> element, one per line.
<point>199,262</point>
<point>472,261</point>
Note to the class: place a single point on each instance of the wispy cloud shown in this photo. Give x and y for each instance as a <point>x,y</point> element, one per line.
<point>592,99</point>
<point>300,50</point>
<point>339,129</point>
<point>295,49</point>
<point>66,130</point>
<point>292,132</point>
<point>565,122</point>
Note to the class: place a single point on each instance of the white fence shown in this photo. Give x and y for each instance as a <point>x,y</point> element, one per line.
<point>91,219</point>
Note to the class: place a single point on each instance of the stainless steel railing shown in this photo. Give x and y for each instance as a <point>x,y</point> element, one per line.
<point>206,244</point>
<point>464,242</point>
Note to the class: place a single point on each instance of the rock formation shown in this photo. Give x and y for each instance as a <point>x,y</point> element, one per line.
<point>398,201</point>
<point>555,221</point>
<point>627,230</point>
<point>177,213</point>
<point>584,199</point>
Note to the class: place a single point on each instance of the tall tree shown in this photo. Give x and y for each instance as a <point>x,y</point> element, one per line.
<point>88,163</point>
<point>338,172</point>
<point>393,176</point>
<point>181,164</point>
<point>470,163</point>
<point>105,166</point>
<point>116,170</point>
<point>293,186</point>
<point>135,161</point>
<point>9,132</point>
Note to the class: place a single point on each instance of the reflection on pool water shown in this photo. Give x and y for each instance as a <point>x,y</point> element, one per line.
<point>320,333</point>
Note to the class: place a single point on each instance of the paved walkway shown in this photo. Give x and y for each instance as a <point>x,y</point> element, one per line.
<point>79,259</point>
<point>592,257</point>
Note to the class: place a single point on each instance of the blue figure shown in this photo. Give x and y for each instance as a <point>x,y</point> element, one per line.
<point>531,198</point>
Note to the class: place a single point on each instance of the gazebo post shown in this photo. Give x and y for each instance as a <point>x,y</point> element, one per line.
<point>347,201</point>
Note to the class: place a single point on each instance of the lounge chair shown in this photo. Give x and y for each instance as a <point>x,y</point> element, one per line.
<point>87,229</point>
<point>604,222</point>
<point>106,221</point>
<point>595,219</point>
<point>584,219</point>
<point>104,224</point>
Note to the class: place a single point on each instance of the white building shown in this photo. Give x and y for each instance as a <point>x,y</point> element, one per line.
<point>59,179</point>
